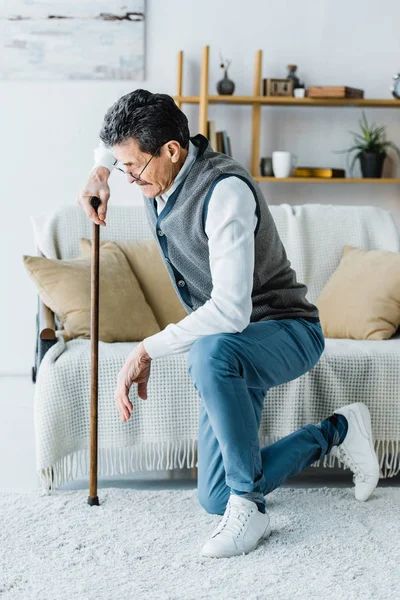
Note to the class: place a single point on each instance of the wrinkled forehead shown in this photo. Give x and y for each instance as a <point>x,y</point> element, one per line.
<point>128,153</point>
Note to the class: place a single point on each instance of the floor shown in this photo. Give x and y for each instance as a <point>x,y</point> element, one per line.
<point>17,454</point>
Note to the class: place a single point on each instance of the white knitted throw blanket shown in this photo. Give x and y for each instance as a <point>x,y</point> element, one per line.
<point>162,430</point>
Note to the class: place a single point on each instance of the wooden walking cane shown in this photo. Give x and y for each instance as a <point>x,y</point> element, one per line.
<point>93,499</point>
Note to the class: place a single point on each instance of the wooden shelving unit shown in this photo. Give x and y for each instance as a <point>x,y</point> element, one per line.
<point>332,180</point>
<point>290,101</point>
<point>257,101</point>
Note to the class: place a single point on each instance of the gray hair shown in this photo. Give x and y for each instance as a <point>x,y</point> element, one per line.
<point>151,119</point>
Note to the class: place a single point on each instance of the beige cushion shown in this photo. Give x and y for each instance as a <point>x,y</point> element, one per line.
<point>65,287</point>
<point>361,300</point>
<point>145,261</point>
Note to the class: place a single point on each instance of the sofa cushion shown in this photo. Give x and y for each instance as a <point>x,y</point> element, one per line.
<point>65,287</point>
<point>145,261</point>
<point>313,234</point>
<point>361,300</point>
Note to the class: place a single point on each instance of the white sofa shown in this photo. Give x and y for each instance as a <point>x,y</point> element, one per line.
<point>162,431</point>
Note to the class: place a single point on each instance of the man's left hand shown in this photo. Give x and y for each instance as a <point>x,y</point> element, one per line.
<point>136,369</point>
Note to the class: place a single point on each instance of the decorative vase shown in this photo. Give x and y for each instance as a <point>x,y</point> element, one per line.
<point>395,89</point>
<point>266,166</point>
<point>225,86</point>
<point>292,75</point>
<point>372,164</point>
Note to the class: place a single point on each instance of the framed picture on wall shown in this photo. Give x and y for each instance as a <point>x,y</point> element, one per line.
<point>72,39</point>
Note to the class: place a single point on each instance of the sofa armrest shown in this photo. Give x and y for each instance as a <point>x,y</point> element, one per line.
<point>45,332</point>
<point>47,326</point>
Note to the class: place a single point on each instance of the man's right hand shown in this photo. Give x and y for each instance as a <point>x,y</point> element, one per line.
<point>96,185</point>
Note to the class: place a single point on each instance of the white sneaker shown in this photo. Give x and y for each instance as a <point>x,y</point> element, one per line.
<point>357,449</point>
<point>242,527</point>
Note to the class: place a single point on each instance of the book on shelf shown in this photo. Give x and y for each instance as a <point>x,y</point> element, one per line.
<point>219,140</point>
<point>229,147</point>
<point>212,134</point>
<point>334,91</point>
<point>224,142</point>
<point>319,172</point>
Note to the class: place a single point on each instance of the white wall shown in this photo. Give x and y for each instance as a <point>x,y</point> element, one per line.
<point>49,130</point>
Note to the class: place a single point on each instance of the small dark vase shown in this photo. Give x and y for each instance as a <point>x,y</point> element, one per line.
<point>372,164</point>
<point>292,75</point>
<point>266,166</point>
<point>225,86</point>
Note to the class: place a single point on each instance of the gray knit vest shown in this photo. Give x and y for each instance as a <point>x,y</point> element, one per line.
<point>183,242</point>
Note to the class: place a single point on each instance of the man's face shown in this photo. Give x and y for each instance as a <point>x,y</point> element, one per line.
<point>161,171</point>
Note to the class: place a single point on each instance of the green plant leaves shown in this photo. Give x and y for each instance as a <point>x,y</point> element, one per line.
<point>371,139</point>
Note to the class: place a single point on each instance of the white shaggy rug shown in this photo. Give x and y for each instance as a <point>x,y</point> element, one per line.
<point>145,545</point>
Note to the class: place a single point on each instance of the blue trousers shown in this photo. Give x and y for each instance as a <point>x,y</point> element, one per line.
<point>232,373</point>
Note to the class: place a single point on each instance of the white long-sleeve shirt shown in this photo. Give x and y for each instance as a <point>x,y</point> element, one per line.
<point>230,224</point>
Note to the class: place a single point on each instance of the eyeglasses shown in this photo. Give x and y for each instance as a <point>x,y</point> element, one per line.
<point>117,163</point>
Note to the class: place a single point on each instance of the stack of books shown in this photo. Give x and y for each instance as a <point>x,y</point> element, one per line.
<point>219,140</point>
<point>319,172</point>
<point>334,91</point>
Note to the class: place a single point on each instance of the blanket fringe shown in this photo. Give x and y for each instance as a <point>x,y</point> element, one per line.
<point>150,456</point>
<point>172,455</point>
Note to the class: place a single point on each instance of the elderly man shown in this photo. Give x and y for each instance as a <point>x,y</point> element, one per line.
<point>249,325</point>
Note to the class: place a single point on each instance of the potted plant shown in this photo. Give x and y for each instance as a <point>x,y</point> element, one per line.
<point>370,147</point>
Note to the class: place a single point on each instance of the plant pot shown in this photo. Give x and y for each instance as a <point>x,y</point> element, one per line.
<point>372,163</point>
<point>225,87</point>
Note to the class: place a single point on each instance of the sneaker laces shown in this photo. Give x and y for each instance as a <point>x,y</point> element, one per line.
<point>234,519</point>
<point>346,458</point>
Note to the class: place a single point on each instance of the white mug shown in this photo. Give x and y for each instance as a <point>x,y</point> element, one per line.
<point>299,92</point>
<point>283,163</point>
